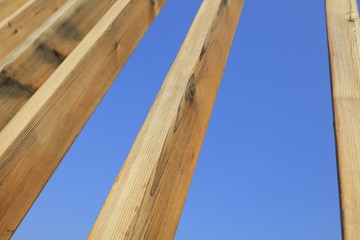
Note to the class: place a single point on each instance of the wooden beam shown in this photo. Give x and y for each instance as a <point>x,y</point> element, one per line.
<point>14,95</point>
<point>19,25</point>
<point>26,68</point>
<point>343,26</point>
<point>9,6</point>
<point>35,140</point>
<point>148,195</point>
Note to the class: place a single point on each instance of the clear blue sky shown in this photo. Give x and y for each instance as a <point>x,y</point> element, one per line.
<point>267,170</point>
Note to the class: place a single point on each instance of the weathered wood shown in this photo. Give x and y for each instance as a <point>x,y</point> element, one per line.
<point>13,95</point>
<point>31,63</point>
<point>7,7</point>
<point>19,25</point>
<point>148,195</point>
<point>344,47</point>
<point>35,140</point>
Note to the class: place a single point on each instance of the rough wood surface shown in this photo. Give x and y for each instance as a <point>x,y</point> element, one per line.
<point>7,7</point>
<point>19,25</point>
<point>13,95</point>
<point>32,62</point>
<point>344,46</point>
<point>148,195</point>
<point>35,140</point>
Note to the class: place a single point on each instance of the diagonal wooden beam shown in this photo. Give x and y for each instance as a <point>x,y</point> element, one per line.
<point>28,66</point>
<point>7,7</point>
<point>343,26</point>
<point>35,140</point>
<point>19,25</point>
<point>148,195</point>
<point>13,95</point>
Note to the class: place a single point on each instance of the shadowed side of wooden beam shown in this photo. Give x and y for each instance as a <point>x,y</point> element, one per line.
<point>19,25</point>
<point>32,62</point>
<point>7,7</point>
<point>343,26</point>
<point>12,97</point>
<point>35,140</point>
<point>148,195</point>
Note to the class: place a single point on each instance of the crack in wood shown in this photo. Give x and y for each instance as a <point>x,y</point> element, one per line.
<point>59,56</point>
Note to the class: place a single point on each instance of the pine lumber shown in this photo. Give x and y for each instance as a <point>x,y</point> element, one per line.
<point>13,95</point>
<point>19,25</point>
<point>343,25</point>
<point>25,69</point>
<point>37,137</point>
<point>148,195</point>
<point>7,7</point>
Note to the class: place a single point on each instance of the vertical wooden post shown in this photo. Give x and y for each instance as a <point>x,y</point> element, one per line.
<point>344,48</point>
<point>148,195</point>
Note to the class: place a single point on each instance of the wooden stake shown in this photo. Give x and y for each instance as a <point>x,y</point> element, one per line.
<point>148,195</point>
<point>35,140</point>
<point>344,48</point>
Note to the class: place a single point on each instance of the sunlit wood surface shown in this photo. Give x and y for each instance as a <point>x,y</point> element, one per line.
<point>50,85</point>
<point>148,195</point>
<point>344,47</point>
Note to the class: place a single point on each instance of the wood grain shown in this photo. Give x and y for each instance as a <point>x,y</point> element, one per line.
<point>19,25</point>
<point>13,95</point>
<point>32,62</point>
<point>148,195</point>
<point>35,63</point>
<point>35,140</point>
<point>7,7</point>
<point>344,48</point>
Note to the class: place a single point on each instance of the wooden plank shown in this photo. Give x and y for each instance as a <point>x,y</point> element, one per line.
<point>148,195</point>
<point>7,7</point>
<point>344,48</point>
<point>15,28</point>
<point>35,140</point>
<point>31,63</point>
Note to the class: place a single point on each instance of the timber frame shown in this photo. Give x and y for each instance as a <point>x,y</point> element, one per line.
<point>50,70</point>
<point>71,52</point>
<point>53,56</point>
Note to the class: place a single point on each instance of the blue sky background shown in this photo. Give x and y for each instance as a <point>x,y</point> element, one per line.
<point>267,169</point>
